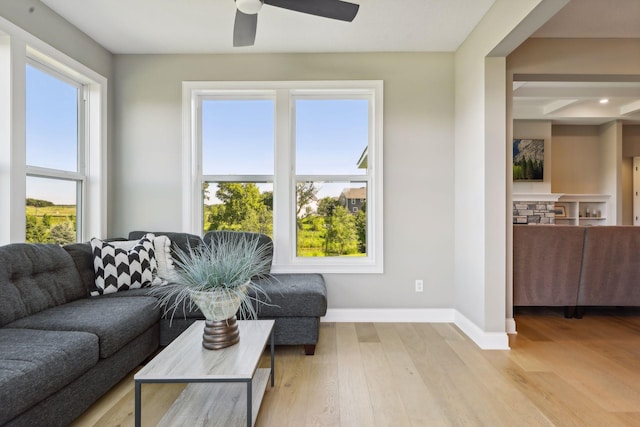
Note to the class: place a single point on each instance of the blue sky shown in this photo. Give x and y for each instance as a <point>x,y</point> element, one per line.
<point>52,129</point>
<point>238,136</point>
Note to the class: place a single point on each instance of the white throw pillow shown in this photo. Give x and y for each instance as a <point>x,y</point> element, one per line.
<point>162,246</point>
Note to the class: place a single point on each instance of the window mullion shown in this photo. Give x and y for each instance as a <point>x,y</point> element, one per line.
<point>326,161</point>
<point>284,194</point>
<point>329,178</point>
<point>237,178</point>
<point>53,173</point>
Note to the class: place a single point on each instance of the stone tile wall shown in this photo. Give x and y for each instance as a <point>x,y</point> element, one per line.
<point>533,213</point>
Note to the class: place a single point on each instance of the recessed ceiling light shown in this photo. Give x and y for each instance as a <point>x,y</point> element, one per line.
<point>604,101</point>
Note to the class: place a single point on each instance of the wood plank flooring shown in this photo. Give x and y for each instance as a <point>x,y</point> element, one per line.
<point>559,372</point>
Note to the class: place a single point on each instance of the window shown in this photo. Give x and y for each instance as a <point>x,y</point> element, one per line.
<point>237,163</point>
<point>52,151</point>
<point>285,159</point>
<point>54,161</point>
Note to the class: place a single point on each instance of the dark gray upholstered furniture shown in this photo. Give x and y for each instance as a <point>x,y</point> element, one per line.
<point>297,301</point>
<point>60,350</point>
<point>576,266</point>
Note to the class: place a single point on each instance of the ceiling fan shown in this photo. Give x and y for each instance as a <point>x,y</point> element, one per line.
<point>244,31</point>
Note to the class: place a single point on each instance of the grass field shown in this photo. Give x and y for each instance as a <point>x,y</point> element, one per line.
<point>57,213</point>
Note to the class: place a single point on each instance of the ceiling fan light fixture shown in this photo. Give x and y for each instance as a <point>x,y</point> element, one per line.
<point>249,7</point>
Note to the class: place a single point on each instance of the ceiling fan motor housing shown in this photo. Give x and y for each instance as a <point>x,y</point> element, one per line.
<point>250,7</point>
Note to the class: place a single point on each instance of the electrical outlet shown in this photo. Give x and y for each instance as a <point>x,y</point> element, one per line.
<point>419,285</point>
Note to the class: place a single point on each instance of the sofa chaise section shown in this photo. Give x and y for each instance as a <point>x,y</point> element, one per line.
<point>295,301</point>
<point>35,364</point>
<point>62,350</point>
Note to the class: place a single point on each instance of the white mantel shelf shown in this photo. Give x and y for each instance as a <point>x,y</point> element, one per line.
<point>536,197</point>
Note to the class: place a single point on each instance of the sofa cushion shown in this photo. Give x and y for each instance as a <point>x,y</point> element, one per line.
<point>179,241</point>
<point>35,364</point>
<point>263,240</point>
<point>610,267</point>
<point>34,277</point>
<point>83,257</point>
<point>546,264</point>
<point>293,295</point>
<point>118,267</point>
<point>116,321</point>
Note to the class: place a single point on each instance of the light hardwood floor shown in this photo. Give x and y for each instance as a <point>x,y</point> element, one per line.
<point>559,372</point>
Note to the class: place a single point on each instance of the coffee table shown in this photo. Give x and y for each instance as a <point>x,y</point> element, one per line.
<point>215,396</point>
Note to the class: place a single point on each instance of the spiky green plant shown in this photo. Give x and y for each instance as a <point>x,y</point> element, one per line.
<point>228,266</point>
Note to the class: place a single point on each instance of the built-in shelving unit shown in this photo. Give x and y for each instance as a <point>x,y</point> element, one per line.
<point>582,209</point>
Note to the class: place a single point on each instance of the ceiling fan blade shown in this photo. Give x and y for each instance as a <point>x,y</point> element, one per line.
<point>334,9</point>
<point>244,29</point>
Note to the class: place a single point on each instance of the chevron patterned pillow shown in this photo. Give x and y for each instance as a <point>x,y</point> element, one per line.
<point>118,269</point>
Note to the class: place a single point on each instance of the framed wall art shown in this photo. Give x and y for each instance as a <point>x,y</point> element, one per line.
<point>528,159</point>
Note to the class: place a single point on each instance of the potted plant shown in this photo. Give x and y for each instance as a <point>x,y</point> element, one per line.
<point>218,278</point>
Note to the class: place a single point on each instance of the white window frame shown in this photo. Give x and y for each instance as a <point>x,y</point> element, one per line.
<point>284,179</point>
<point>79,176</point>
<point>17,48</point>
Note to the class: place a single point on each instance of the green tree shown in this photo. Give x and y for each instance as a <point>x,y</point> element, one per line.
<point>215,217</point>
<point>305,194</point>
<point>46,221</point>
<point>35,231</point>
<point>38,203</point>
<point>62,233</point>
<point>267,199</point>
<point>341,237</point>
<point>260,221</point>
<point>238,199</point>
<point>361,229</point>
<point>205,190</point>
<point>326,206</point>
<point>242,208</point>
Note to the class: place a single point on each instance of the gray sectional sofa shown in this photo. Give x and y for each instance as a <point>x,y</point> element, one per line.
<point>61,349</point>
<point>576,266</point>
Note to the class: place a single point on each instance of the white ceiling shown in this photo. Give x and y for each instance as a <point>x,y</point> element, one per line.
<point>577,102</point>
<point>206,26</point>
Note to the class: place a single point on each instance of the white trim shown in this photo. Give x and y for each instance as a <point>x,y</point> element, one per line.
<point>390,315</point>
<point>536,197</point>
<point>283,92</point>
<point>189,169</point>
<point>511,326</point>
<point>24,45</point>
<point>484,340</point>
<point>12,139</point>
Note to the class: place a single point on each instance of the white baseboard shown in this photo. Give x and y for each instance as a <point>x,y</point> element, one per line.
<point>484,340</point>
<point>511,326</point>
<point>388,315</point>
